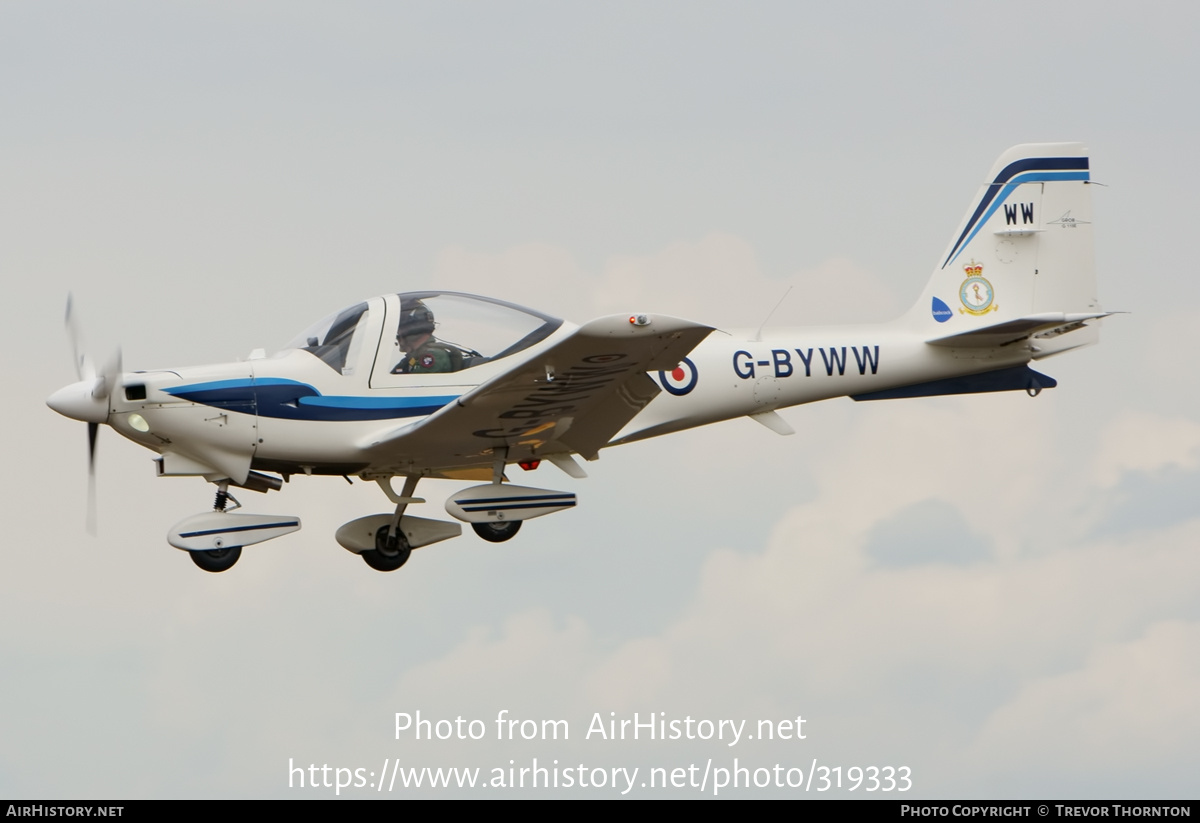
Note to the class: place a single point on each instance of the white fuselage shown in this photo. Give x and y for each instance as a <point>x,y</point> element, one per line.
<point>739,375</point>
<point>730,374</point>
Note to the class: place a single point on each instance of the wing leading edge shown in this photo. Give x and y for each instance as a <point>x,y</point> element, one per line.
<point>571,397</point>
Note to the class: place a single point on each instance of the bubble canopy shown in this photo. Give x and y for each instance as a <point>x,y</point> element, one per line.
<point>480,329</point>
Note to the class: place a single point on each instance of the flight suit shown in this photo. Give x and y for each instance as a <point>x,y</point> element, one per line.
<point>430,357</point>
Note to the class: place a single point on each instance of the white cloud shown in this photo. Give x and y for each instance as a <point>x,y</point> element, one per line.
<point>716,279</point>
<point>1138,441</point>
<point>943,666</point>
<point>208,213</point>
<point>1128,716</point>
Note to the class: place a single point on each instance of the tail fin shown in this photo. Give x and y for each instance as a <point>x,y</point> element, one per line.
<point>1023,252</point>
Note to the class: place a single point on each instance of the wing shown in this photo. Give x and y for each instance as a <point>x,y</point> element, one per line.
<point>571,397</point>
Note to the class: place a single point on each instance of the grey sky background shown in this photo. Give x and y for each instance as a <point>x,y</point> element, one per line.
<point>1001,593</point>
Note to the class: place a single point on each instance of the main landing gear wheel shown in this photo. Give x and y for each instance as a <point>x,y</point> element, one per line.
<point>390,553</point>
<point>497,532</point>
<point>217,560</point>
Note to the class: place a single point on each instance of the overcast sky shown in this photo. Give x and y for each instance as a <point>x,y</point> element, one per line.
<point>1002,594</point>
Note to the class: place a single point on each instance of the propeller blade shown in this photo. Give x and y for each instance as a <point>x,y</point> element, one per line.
<point>109,378</point>
<point>75,404</point>
<point>83,365</point>
<point>93,434</point>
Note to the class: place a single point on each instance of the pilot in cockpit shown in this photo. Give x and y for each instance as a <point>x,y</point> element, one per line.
<point>423,353</point>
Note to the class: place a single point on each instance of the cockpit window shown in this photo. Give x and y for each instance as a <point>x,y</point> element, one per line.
<point>447,331</point>
<point>331,339</point>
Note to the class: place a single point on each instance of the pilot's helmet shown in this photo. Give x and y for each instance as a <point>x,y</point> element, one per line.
<point>415,319</point>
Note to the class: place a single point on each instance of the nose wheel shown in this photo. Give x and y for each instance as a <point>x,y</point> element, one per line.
<point>222,559</point>
<point>390,552</point>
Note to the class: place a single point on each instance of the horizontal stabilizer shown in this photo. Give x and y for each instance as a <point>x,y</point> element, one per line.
<point>1048,324</point>
<point>1016,378</point>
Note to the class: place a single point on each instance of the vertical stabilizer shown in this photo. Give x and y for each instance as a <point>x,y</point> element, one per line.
<point>1024,247</point>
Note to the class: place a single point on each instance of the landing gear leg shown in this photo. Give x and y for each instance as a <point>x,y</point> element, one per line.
<point>499,461</point>
<point>391,546</point>
<point>498,532</point>
<point>219,559</point>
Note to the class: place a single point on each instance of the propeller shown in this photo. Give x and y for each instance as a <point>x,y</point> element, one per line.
<point>87,399</point>
<point>93,432</point>
<point>76,339</point>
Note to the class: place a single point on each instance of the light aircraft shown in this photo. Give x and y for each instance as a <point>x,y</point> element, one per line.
<point>490,384</point>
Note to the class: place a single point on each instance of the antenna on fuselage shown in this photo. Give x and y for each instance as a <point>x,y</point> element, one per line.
<point>758,334</point>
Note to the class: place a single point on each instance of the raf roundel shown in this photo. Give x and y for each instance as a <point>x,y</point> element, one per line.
<point>680,380</point>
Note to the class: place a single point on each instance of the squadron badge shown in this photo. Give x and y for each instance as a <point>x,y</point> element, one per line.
<point>976,292</point>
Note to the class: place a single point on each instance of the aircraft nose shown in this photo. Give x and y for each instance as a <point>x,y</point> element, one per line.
<point>76,402</point>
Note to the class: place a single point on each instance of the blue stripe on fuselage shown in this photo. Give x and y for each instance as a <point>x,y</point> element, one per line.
<point>293,400</point>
